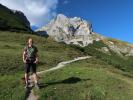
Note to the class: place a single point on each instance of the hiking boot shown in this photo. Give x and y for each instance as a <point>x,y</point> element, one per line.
<point>36,86</point>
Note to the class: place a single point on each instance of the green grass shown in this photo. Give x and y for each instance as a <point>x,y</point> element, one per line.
<point>11,65</point>
<point>11,87</point>
<point>103,77</point>
<point>123,63</point>
<point>90,79</point>
<point>50,52</point>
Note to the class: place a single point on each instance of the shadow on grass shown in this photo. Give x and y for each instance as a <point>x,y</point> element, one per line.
<point>70,80</point>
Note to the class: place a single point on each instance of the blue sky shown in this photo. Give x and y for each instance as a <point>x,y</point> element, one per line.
<point>112,18</point>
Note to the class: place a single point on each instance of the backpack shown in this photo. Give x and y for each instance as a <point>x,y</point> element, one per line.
<point>30,53</point>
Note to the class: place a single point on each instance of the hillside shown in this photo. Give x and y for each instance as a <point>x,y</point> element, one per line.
<point>13,20</point>
<point>103,77</point>
<point>11,65</point>
<point>91,79</point>
<point>78,31</point>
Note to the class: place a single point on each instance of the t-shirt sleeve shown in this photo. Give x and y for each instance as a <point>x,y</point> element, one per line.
<point>36,50</point>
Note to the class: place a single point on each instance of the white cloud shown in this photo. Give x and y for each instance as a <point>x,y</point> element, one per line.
<point>66,2</point>
<point>38,12</point>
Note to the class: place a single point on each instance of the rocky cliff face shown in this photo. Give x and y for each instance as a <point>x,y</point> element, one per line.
<point>70,30</point>
<point>13,20</point>
<point>119,47</point>
<point>79,32</point>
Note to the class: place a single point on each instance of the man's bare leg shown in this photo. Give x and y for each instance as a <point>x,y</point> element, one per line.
<point>26,78</point>
<point>35,80</point>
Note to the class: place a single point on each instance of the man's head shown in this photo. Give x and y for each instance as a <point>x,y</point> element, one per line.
<point>30,41</point>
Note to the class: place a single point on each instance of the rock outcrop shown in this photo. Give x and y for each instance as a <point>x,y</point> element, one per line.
<point>70,30</point>
<point>120,47</point>
<point>79,32</point>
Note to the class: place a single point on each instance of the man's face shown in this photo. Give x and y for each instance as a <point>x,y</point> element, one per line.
<point>30,42</point>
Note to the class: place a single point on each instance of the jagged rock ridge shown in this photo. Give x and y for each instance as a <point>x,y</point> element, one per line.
<point>79,32</point>
<point>70,30</point>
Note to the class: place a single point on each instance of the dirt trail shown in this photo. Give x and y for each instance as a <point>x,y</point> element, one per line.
<point>62,64</point>
<point>31,95</point>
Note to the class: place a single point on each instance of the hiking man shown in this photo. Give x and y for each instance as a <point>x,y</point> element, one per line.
<point>30,59</point>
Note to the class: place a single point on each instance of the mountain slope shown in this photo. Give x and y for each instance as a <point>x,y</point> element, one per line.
<point>11,65</point>
<point>13,20</point>
<point>93,78</point>
<point>69,30</point>
<point>80,32</point>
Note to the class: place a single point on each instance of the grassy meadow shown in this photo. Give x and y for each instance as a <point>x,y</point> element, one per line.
<point>90,79</point>
<point>102,77</point>
<point>11,65</point>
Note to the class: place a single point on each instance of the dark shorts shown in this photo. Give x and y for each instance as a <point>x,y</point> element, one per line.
<point>30,66</point>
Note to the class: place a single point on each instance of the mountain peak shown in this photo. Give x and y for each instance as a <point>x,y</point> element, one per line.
<point>70,30</point>
<point>61,16</point>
